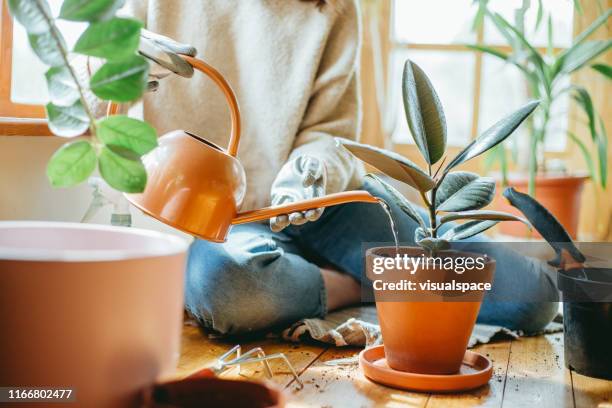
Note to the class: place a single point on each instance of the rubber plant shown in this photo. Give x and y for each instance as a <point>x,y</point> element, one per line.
<point>115,144</point>
<point>545,74</point>
<point>448,195</point>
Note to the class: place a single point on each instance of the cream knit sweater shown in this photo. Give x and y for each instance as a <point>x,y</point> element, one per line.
<point>293,67</point>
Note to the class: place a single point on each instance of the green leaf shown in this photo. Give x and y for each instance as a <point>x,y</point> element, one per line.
<point>585,153</point>
<point>122,169</point>
<point>121,81</point>
<point>581,54</point>
<point>462,191</point>
<point>63,90</point>
<point>584,100</point>
<point>599,21</point>
<point>114,39</point>
<point>46,47</point>
<point>602,152</point>
<point>493,136</point>
<point>481,215</point>
<point>603,69</point>
<point>67,121</point>
<point>132,134</point>
<point>89,10</point>
<point>433,245</point>
<point>550,46</point>
<point>400,200</point>
<point>71,164</point>
<point>424,113</point>
<point>578,6</point>
<point>490,50</point>
<point>31,14</point>
<point>420,234</point>
<point>390,163</point>
<point>540,15</point>
<point>467,230</point>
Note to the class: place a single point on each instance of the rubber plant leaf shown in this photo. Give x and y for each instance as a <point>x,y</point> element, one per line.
<point>33,15</point>
<point>121,81</point>
<point>468,229</point>
<point>71,164</point>
<point>62,89</point>
<point>400,200</point>
<point>482,215</point>
<point>67,121</point>
<point>122,169</point>
<point>89,10</point>
<point>424,113</point>
<point>129,133</point>
<point>390,163</point>
<point>47,48</point>
<point>545,223</point>
<point>114,39</point>
<point>493,136</point>
<point>463,191</point>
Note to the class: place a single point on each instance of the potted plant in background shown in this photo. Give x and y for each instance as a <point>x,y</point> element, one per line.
<point>431,337</point>
<point>546,75</point>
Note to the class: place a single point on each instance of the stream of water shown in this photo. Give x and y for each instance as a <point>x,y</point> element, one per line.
<point>387,210</point>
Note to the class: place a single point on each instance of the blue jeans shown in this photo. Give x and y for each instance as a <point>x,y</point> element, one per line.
<point>259,279</point>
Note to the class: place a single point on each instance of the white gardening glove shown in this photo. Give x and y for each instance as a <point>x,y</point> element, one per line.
<point>162,52</point>
<point>298,180</point>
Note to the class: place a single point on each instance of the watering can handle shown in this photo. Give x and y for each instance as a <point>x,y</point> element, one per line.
<point>227,90</point>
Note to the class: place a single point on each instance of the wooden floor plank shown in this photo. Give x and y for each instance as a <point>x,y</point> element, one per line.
<point>536,374</point>
<point>198,351</point>
<point>346,387</point>
<point>591,392</point>
<point>488,396</point>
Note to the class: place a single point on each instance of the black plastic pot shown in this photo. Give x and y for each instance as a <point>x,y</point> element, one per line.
<point>587,320</point>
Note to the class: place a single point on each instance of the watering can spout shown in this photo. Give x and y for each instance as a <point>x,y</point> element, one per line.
<point>198,187</point>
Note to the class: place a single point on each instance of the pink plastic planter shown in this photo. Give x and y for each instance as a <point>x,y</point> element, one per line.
<point>89,307</point>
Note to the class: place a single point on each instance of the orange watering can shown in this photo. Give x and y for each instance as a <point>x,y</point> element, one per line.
<point>198,187</point>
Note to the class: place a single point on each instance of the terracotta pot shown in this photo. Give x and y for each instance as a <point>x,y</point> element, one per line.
<point>561,195</point>
<point>428,333</point>
<point>94,308</point>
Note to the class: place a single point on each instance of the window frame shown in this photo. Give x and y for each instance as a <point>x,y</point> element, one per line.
<point>16,119</point>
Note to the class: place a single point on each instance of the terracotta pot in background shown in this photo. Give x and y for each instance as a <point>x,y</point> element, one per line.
<point>428,333</point>
<point>94,308</point>
<point>561,195</point>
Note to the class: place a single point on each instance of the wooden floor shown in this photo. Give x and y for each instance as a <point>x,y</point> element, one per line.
<point>529,372</point>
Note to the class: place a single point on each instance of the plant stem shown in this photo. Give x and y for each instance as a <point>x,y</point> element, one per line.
<point>433,222</point>
<point>60,46</point>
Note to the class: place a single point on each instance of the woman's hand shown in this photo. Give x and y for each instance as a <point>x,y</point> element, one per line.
<point>298,180</point>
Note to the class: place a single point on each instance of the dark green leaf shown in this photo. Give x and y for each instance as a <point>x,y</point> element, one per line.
<point>424,113</point>
<point>390,163</point>
<point>67,121</point>
<point>490,50</point>
<point>63,90</point>
<point>493,136</point>
<point>47,48</point>
<point>467,230</point>
<point>121,81</point>
<point>603,69</point>
<point>585,153</point>
<point>463,191</point>
<point>132,134</point>
<point>122,169</point>
<point>114,39</point>
<point>71,164</point>
<point>545,223</point>
<point>583,98</point>
<point>89,10</point>
<point>602,152</point>
<point>481,215</point>
<point>31,14</point>
<point>582,54</point>
<point>400,200</point>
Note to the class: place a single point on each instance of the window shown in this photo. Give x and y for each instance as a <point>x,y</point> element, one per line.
<point>23,90</point>
<point>476,90</point>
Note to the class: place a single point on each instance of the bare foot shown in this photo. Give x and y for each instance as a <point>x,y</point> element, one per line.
<point>342,289</point>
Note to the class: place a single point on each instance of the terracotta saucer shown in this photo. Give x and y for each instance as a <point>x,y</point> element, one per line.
<point>475,372</point>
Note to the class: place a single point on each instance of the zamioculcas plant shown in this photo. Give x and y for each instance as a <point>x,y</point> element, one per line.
<point>448,195</point>
<point>546,74</point>
<point>115,144</point>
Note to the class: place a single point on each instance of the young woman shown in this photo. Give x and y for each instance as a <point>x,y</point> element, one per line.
<point>294,67</point>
